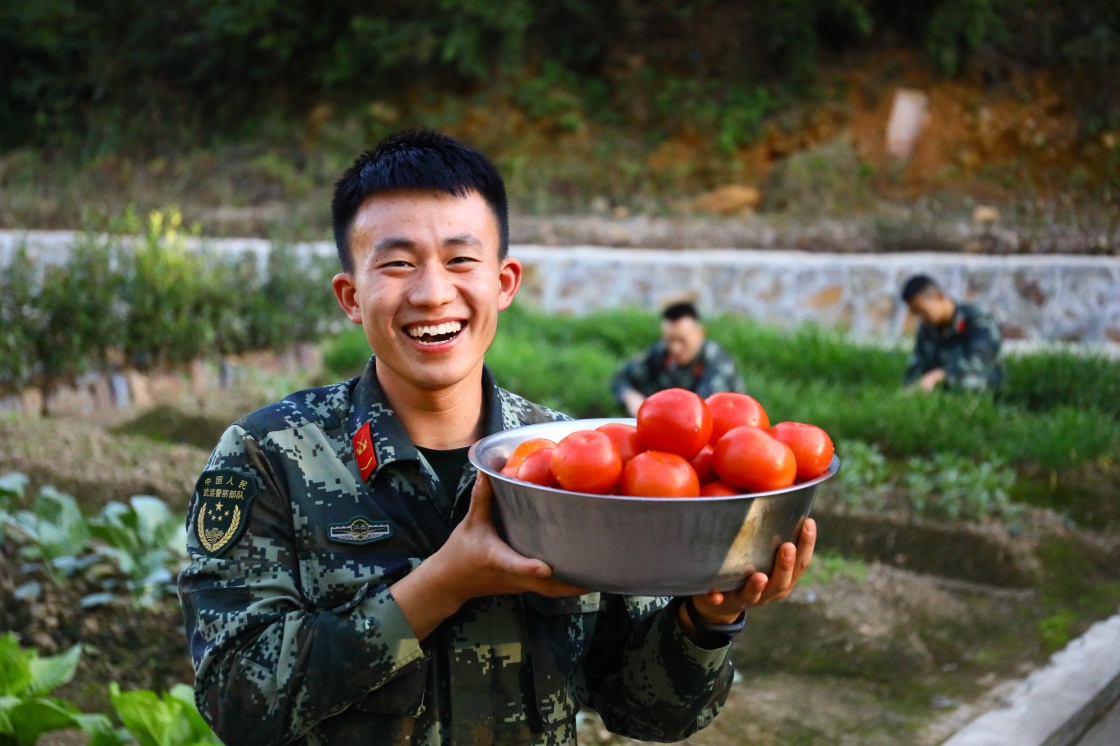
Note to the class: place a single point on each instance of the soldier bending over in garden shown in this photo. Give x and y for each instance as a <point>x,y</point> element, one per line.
<point>347,585</point>
<point>957,347</point>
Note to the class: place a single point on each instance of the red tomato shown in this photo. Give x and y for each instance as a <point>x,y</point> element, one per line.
<point>751,458</point>
<point>674,421</point>
<point>537,468</point>
<point>625,438</point>
<point>586,461</point>
<point>702,465</point>
<point>730,409</point>
<point>659,474</point>
<point>523,449</point>
<point>718,489</point>
<point>811,447</point>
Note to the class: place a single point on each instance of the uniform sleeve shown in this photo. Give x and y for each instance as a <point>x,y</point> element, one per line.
<point>635,374</point>
<point>646,679</point>
<point>720,374</point>
<point>268,666</point>
<point>922,359</point>
<point>973,368</point>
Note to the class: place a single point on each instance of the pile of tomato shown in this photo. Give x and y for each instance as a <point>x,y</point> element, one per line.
<point>683,446</point>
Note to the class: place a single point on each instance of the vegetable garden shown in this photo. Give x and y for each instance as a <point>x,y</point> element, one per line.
<point>1016,495</point>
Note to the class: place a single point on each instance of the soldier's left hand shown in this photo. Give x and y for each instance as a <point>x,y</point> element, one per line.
<point>789,564</point>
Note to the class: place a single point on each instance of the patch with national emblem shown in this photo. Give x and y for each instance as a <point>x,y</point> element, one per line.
<point>224,499</point>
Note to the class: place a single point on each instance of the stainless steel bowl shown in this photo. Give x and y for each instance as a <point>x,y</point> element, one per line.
<point>640,545</point>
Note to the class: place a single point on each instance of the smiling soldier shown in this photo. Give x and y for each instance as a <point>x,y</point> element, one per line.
<point>362,595</point>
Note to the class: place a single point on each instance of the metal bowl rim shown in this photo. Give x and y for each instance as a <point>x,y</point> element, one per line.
<point>472,454</point>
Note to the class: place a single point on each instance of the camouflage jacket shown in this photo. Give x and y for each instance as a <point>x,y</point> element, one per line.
<point>967,349</point>
<point>295,637</point>
<point>651,371</point>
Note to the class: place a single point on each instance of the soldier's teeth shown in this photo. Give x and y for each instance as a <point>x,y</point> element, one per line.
<point>448,327</point>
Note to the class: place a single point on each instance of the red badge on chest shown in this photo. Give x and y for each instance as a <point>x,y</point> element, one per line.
<point>960,326</point>
<point>363,451</point>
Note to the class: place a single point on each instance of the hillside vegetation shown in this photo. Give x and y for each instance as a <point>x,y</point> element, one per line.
<point>243,114</point>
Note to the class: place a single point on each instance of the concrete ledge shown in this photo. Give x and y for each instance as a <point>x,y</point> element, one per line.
<point>1055,705</point>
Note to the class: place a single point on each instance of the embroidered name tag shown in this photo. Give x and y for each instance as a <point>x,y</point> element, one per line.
<point>360,531</point>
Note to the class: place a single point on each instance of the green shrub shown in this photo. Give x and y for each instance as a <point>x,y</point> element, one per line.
<point>19,323</point>
<point>26,712</point>
<point>346,354</point>
<point>955,487</point>
<point>78,318</point>
<point>145,542</point>
<point>863,480</point>
<point>166,320</point>
<point>170,720</point>
<point>826,180</point>
<point>154,304</point>
<point>54,533</point>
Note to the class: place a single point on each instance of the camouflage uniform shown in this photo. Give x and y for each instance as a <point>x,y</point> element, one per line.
<point>652,370</point>
<point>295,636</point>
<point>967,349</point>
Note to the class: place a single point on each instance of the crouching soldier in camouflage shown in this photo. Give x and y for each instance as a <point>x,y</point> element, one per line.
<point>347,585</point>
<point>957,347</point>
<point>683,358</point>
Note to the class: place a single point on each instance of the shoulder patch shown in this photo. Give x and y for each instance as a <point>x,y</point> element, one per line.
<point>224,499</point>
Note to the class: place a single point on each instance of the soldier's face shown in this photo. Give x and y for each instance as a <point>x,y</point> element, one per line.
<point>427,286</point>
<point>683,339</point>
<point>933,308</point>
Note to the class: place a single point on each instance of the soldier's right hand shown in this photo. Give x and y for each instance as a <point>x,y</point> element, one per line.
<point>474,562</point>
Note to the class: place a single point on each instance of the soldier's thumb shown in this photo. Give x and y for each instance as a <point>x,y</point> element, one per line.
<point>481,496</point>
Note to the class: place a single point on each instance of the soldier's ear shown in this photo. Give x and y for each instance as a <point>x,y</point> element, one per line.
<point>346,295</point>
<point>509,282</point>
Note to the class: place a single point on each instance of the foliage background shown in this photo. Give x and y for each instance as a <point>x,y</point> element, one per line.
<point>99,75</point>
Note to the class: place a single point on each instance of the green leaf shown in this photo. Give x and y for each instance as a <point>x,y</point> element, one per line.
<point>150,720</point>
<point>52,672</point>
<point>199,729</point>
<point>13,484</point>
<point>15,667</point>
<point>151,515</point>
<point>101,730</point>
<point>32,718</point>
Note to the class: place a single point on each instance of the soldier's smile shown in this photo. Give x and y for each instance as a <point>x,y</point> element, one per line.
<point>434,334</point>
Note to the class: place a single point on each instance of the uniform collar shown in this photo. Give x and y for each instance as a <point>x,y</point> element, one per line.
<point>387,435</point>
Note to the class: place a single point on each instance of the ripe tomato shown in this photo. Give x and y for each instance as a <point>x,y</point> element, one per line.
<point>811,447</point>
<point>730,409</point>
<point>702,465</point>
<point>625,438</point>
<point>674,421</point>
<point>522,451</point>
<point>586,461</point>
<point>751,458</point>
<point>537,468</point>
<point>718,489</point>
<point>659,474</point>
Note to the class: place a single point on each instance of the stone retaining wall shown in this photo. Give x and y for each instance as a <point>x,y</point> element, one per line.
<point>1037,298</point>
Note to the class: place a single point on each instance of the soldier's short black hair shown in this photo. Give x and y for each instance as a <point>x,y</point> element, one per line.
<point>416,159</point>
<point>678,311</point>
<point>917,285</point>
